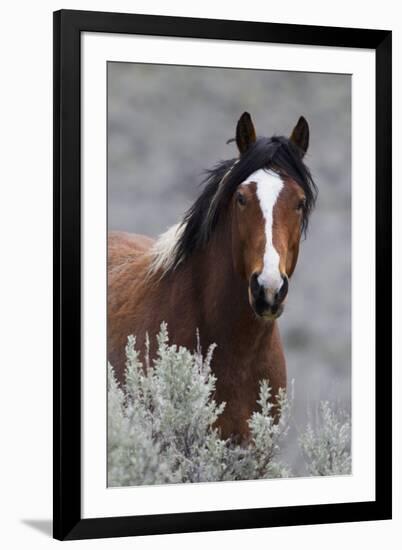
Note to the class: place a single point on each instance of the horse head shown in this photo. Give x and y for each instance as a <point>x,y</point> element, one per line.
<point>269,212</point>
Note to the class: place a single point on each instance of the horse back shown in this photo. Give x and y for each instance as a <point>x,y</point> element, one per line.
<point>123,247</point>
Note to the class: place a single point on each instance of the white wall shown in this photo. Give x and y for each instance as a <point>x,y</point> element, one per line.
<point>26,268</point>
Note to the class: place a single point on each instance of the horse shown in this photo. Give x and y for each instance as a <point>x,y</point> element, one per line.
<point>223,271</point>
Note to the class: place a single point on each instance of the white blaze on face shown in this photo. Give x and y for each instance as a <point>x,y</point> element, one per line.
<point>269,185</point>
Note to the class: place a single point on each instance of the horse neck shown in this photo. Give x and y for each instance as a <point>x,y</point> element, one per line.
<point>220,295</point>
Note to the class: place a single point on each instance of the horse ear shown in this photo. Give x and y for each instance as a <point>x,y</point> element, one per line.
<point>301,135</point>
<point>245,133</point>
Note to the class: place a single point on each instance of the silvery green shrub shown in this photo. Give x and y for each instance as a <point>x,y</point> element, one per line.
<point>161,423</point>
<point>326,443</point>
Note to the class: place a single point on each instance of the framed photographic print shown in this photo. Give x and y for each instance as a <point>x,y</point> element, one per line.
<point>222,274</point>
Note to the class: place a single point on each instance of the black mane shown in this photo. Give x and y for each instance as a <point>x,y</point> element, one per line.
<point>276,153</point>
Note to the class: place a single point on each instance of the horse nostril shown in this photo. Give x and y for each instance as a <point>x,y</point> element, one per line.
<point>282,292</point>
<point>255,287</point>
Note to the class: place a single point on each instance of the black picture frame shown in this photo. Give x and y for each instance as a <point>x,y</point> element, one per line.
<point>68,26</point>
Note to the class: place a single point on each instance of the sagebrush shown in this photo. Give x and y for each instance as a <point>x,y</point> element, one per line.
<point>161,426</point>
<point>326,443</point>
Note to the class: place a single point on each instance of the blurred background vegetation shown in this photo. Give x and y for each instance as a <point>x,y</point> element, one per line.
<point>167,124</point>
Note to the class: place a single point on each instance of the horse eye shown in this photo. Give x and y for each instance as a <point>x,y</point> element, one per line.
<point>241,199</point>
<point>301,205</point>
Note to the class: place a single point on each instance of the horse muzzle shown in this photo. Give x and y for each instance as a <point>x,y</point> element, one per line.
<point>267,303</point>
